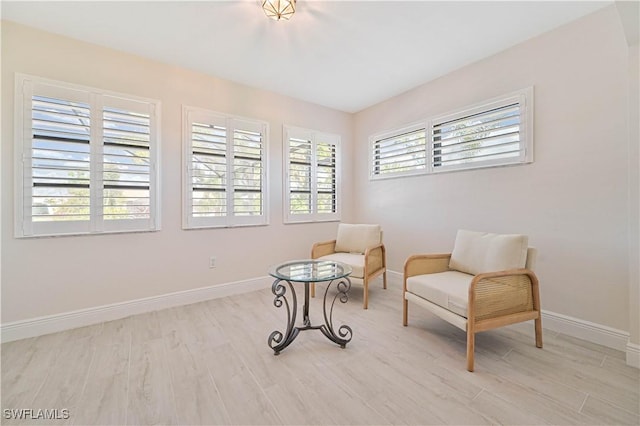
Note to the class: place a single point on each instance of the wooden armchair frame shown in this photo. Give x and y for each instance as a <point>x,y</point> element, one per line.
<point>375,264</point>
<point>495,299</point>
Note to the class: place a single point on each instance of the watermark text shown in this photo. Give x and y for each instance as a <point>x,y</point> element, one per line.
<point>36,413</point>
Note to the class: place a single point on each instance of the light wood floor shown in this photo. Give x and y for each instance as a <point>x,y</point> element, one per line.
<point>209,363</point>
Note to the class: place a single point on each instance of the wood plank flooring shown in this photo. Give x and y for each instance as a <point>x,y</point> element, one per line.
<point>209,363</point>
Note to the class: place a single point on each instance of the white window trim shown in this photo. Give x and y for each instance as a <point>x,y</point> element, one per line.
<point>189,114</point>
<point>312,135</point>
<point>525,97</point>
<point>26,228</point>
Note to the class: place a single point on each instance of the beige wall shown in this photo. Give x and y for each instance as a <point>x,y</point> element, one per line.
<point>572,201</point>
<point>47,276</point>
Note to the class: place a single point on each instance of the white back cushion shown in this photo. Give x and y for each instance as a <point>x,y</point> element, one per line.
<point>478,252</point>
<point>357,238</point>
<point>532,256</point>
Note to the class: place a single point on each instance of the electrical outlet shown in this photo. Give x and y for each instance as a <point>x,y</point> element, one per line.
<point>212,262</point>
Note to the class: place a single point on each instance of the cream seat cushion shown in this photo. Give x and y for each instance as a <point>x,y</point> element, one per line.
<point>356,261</point>
<point>478,252</point>
<point>357,238</point>
<point>449,290</point>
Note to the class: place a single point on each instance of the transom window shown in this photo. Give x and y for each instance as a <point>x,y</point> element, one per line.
<point>400,152</point>
<point>87,160</point>
<point>312,175</point>
<point>225,170</point>
<point>494,133</point>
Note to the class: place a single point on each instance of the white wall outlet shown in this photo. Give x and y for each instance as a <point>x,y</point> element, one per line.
<point>212,262</point>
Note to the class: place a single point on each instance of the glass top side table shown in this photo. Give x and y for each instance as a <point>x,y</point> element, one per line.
<point>307,272</point>
<point>310,271</point>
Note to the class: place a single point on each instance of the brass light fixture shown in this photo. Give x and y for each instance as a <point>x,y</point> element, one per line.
<point>279,9</point>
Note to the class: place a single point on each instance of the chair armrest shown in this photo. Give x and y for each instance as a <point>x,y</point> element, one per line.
<point>421,264</point>
<point>374,259</point>
<point>495,294</point>
<point>323,249</point>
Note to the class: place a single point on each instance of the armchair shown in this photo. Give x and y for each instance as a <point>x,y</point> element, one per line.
<point>359,246</point>
<point>485,283</point>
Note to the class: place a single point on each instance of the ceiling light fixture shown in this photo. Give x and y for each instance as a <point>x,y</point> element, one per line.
<point>279,9</point>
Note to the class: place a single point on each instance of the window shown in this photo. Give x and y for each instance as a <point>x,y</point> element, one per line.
<point>312,175</point>
<point>225,170</point>
<point>401,152</point>
<point>86,160</point>
<point>494,133</point>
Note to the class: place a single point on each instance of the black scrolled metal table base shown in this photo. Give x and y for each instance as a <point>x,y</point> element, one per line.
<point>278,341</point>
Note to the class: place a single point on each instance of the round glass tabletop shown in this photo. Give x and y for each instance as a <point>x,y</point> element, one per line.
<point>310,270</point>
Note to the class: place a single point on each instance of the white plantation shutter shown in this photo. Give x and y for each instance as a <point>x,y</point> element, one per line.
<point>248,169</point>
<point>225,170</point>
<point>326,201</point>
<point>59,159</point>
<point>127,162</point>
<point>490,134</point>
<point>208,168</point>
<point>312,175</point>
<point>400,152</point>
<point>86,160</point>
<point>300,158</point>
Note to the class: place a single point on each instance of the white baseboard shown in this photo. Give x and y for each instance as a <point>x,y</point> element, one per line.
<point>633,355</point>
<point>585,330</point>
<point>59,322</point>
<point>582,329</point>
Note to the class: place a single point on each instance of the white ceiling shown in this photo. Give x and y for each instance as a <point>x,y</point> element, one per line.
<point>346,55</point>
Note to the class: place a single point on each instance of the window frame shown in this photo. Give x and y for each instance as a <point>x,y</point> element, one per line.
<point>315,137</point>
<point>523,97</point>
<point>231,123</point>
<point>26,88</point>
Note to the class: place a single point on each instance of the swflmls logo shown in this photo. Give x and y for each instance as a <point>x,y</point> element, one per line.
<point>36,414</point>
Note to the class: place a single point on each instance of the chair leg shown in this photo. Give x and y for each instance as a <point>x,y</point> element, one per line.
<point>384,280</point>
<point>365,303</point>
<point>538,327</point>
<point>470,349</point>
<point>313,289</point>
<point>405,311</point>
